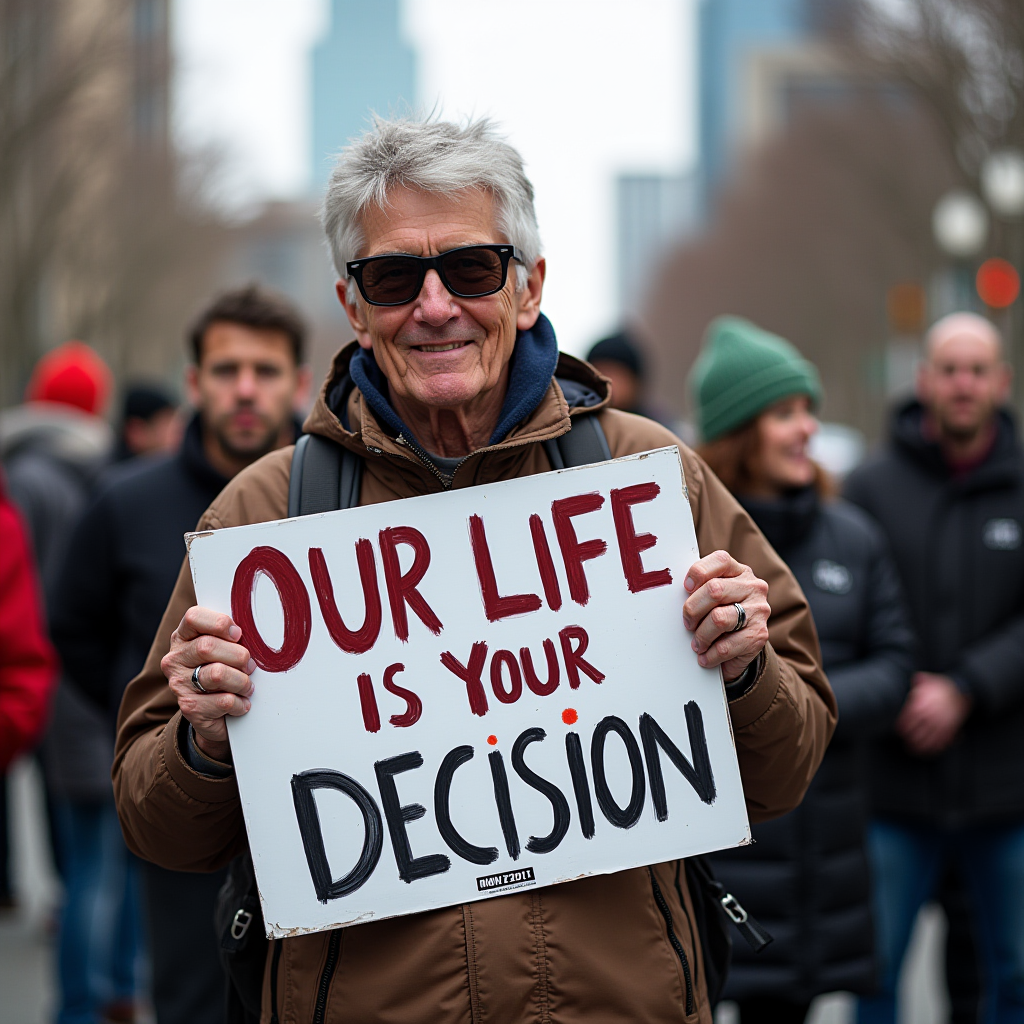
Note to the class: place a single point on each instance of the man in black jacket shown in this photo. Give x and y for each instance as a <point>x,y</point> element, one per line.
<point>948,784</point>
<point>246,382</point>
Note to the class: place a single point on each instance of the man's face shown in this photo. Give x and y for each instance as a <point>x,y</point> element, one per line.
<point>962,382</point>
<point>625,385</point>
<point>441,351</point>
<point>160,433</point>
<point>246,388</point>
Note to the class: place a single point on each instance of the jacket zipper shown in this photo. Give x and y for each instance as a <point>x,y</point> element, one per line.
<point>325,978</point>
<point>472,967</point>
<point>274,961</point>
<point>428,462</point>
<point>666,913</point>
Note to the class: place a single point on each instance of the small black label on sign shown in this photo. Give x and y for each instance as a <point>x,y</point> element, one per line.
<point>503,879</point>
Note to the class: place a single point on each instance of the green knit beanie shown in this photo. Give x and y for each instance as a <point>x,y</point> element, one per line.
<point>741,371</point>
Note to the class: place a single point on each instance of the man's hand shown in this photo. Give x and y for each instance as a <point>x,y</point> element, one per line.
<point>933,713</point>
<point>716,584</point>
<point>208,639</point>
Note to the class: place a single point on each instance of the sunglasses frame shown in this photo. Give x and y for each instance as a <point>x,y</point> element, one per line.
<point>505,254</point>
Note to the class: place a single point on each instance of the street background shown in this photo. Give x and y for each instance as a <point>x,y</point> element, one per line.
<point>843,172</point>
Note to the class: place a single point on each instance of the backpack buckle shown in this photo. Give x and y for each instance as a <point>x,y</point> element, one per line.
<point>240,924</point>
<point>733,908</point>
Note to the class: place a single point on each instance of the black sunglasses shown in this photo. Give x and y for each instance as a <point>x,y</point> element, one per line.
<point>470,272</point>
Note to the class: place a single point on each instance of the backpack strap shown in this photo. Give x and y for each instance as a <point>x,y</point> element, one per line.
<point>583,444</point>
<point>325,476</point>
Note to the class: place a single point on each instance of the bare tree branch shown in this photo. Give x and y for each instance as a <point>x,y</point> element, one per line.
<point>99,238</point>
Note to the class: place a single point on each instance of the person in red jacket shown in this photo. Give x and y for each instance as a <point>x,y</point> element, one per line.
<point>28,665</point>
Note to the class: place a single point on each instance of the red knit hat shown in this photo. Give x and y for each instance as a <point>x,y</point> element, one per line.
<point>71,374</point>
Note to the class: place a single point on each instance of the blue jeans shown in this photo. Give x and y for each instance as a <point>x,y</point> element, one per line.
<point>100,930</point>
<point>906,861</point>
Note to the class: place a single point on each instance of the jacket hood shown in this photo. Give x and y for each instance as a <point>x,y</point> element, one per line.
<point>1001,465</point>
<point>546,387</point>
<point>56,430</point>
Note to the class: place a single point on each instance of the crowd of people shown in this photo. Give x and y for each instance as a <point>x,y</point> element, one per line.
<point>870,633</point>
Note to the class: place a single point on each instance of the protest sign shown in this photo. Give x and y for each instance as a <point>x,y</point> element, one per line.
<point>465,694</point>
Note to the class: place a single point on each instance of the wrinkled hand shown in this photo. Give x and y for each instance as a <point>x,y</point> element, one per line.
<point>715,584</point>
<point>209,639</point>
<point>932,714</point>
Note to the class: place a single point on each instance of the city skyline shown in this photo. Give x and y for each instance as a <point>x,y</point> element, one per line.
<point>621,99</point>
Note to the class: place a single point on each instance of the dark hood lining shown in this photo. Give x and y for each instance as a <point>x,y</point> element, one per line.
<point>535,359</point>
<point>1001,466</point>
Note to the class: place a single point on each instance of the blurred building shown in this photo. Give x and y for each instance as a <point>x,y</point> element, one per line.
<point>283,247</point>
<point>150,71</point>
<point>653,212</point>
<point>84,145</point>
<point>816,184</point>
<point>757,60</point>
<point>361,66</point>
<point>730,33</point>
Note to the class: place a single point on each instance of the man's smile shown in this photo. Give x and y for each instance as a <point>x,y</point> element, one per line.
<point>444,346</point>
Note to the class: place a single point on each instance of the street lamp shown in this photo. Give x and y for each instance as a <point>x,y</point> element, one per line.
<point>1002,185</point>
<point>1002,182</point>
<point>960,224</point>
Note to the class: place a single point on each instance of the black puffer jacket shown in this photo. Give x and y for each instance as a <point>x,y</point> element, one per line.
<point>957,541</point>
<point>806,876</point>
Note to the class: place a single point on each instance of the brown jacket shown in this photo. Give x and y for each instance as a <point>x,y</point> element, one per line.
<point>595,950</point>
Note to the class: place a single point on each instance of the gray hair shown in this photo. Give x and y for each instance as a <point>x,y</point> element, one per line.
<point>435,156</point>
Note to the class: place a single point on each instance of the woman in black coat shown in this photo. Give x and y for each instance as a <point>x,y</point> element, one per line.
<point>806,876</point>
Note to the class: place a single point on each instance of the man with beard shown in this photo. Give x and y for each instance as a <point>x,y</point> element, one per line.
<point>948,783</point>
<point>246,382</point>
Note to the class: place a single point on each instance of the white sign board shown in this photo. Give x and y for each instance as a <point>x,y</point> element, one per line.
<point>464,694</point>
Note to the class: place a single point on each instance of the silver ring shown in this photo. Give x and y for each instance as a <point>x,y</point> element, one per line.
<point>196,685</point>
<point>741,618</point>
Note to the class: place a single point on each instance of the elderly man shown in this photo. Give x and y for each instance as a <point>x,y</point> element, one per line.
<point>948,784</point>
<point>455,379</point>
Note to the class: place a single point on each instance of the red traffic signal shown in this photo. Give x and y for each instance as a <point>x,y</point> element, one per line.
<point>998,283</point>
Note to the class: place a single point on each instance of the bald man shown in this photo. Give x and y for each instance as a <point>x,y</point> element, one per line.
<point>948,783</point>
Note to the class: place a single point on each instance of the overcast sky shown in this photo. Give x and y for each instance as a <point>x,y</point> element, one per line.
<point>584,90</point>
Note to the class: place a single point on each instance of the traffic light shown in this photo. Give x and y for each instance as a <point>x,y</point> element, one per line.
<point>998,283</point>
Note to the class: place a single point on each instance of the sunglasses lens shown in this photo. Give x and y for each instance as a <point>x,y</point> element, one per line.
<point>395,279</point>
<point>472,271</point>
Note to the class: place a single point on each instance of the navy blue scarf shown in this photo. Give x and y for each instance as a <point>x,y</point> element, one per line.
<point>530,371</point>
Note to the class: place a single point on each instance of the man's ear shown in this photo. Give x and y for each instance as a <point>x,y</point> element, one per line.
<point>529,297</point>
<point>355,311</point>
<point>192,385</point>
